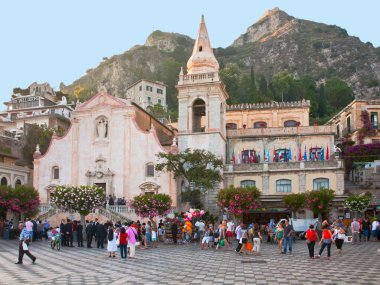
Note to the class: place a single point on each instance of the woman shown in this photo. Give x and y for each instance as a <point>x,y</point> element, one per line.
<point>123,242</point>
<point>111,246</point>
<point>326,240</point>
<point>256,239</point>
<point>311,238</point>
<point>280,237</point>
<point>339,236</point>
<point>132,239</point>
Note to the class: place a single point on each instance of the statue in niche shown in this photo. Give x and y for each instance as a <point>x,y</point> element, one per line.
<point>102,128</point>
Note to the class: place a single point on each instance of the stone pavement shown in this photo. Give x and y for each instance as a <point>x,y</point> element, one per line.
<point>187,264</point>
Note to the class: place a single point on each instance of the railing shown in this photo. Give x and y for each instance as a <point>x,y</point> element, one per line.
<point>202,77</point>
<point>122,209</point>
<point>112,216</point>
<point>307,130</point>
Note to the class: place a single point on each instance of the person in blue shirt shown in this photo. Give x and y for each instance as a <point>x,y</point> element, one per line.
<point>24,238</point>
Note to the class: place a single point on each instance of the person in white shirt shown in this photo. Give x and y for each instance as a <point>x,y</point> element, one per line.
<point>375,229</point>
<point>200,225</point>
<point>355,229</point>
<point>230,230</point>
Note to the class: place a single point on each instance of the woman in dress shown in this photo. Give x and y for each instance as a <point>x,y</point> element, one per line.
<point>111,246</point>
<point>280,236</point>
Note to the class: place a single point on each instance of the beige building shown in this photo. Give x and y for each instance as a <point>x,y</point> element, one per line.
<point>348,121</point>
<point>146,94</point>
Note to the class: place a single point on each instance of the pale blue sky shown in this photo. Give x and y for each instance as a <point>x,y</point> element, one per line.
<point>58,40</point>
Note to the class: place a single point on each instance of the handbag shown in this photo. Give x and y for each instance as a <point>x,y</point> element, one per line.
<point>221,243</point>
<point>24,246</point>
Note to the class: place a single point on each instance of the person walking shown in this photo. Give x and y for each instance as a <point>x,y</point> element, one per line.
<point>132,239</point>
<point>280,237</point>
<point>288,237</point>
<point>325,241</point>
<point>123,242</point>
<point>366,227</point>
<point>339,235</point>
<point>311,238</point>
<point>256,235</point>
<point>111,246</point>
<point>24,245</point>
<point>89,233</point>
<point>244,239</point>
<point>174,232</point>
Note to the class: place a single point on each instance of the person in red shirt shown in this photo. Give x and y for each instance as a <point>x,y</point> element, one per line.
<point>326,241</point>
<point>123,242</point>
<point>311,238</point>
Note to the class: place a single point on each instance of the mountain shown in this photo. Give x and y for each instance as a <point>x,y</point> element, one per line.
<point>277,42</point>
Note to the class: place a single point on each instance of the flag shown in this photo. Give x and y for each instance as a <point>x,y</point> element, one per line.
<point>290,154</point>
<point>322,153</point>
<point>305,154</point>
<point>268,155</point>
<point>233,156</point>
<point>274,155</point>
<point>265,157</point>
<point>299,153</point>
<point>249,156</point>
<point>238,157</point>
<point>327,153</point>
<point>243,155</point>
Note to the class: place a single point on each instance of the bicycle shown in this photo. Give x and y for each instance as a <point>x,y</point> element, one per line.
<point>56,242</point>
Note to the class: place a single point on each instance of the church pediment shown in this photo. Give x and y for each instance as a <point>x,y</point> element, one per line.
<point>149,187</point>
<point>101,99</point>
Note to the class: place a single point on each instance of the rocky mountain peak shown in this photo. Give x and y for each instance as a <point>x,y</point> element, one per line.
<point>273,24</point>
<point>166,41</point>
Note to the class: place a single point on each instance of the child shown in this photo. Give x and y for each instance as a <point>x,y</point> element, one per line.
<point>154,236</point>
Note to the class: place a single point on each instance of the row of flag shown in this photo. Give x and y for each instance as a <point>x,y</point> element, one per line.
<point>282,154</point>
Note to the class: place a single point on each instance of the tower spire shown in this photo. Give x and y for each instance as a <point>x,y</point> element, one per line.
<point>202,59</point>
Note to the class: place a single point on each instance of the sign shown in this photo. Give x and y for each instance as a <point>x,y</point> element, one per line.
<point>26,99</point>
<point>348,216</point>
<point>340,217</point>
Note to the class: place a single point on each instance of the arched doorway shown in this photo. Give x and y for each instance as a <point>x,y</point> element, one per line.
<point>4,181</point>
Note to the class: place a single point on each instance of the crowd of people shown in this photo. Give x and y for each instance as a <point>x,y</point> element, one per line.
<point>126,237</point>
<point>112,200</point>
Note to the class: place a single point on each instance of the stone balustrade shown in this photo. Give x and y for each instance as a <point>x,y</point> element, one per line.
<point>198,78</point>
<point>277,166</point>
<point>265,132</point>
<point>269,105</point>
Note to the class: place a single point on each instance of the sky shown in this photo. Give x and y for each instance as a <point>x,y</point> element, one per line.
<point>57,41</point>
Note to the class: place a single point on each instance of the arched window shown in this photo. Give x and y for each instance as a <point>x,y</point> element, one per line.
<point>259,125</point>
<point>18,183</point>
<point>102,128</point>
<point>247,183</point>
<point>290,123</point>
<point>150,170</point>
<point>319,183</point>
<point>55,173</point>
<point>199,112</point>
<point>231,126</point>
<point>283,185</point>
<point>4,181</point>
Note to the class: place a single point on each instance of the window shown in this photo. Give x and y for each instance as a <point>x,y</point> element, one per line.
<point>17,183</point>
<point>231,126</point>
<point>140,88</point>
<point>159,91</point>
<point>199,111</point>
<point>55,173</point>
<point>149,88</point>
<point>4,181</point>
<point>247,183</point>
<point>149,99</point>
<point>159,101</point>
<point>258,125</point>
<point>348,124</point>
<point>290,123</point>
<point>374,120</point>
<point>283,185</point>
<point>319,183</point>
<point>150,170</point>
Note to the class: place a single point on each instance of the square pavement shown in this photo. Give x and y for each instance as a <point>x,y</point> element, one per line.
<point>187,264</point>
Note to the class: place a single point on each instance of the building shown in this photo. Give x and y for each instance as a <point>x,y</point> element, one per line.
<point>348,121</point>
<point>37,105</point>
<point>146,94</point>
<point>112,143</point>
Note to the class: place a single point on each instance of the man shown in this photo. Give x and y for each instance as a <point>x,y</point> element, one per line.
<point>46,229</point>
<point>35,231</point>
<point>238,233</point>
<point>69,233</point>
<point>90,233</point>
<point>288,237</point>
<point>230,230</point>
<point>355,229</point>
<point>24,245</point>
<point>80,234</point>
<point>62,230</point>
<point>101,233</point>
<point>201,226</point>
<point>29,228</point>
<point>174,232</point>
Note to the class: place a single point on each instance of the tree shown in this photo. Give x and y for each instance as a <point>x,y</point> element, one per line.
<point>360,153</point>
<point>22,200</point>
<point>82,199</point>
<point>357,203</point>
<point>338,93</point>
<point>40,135</point>
<point>199,167</point>
<point>238,200</point>
<point>150,206</point>
<point>294,202</point>
<point>230,75</point>
<point>319,201</point>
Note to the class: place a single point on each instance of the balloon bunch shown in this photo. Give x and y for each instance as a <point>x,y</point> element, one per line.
<point>193,213</point>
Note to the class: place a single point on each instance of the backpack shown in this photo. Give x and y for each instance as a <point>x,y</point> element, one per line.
<point>110,234</point>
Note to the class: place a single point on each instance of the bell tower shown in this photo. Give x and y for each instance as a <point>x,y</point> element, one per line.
<point>202,100</point>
